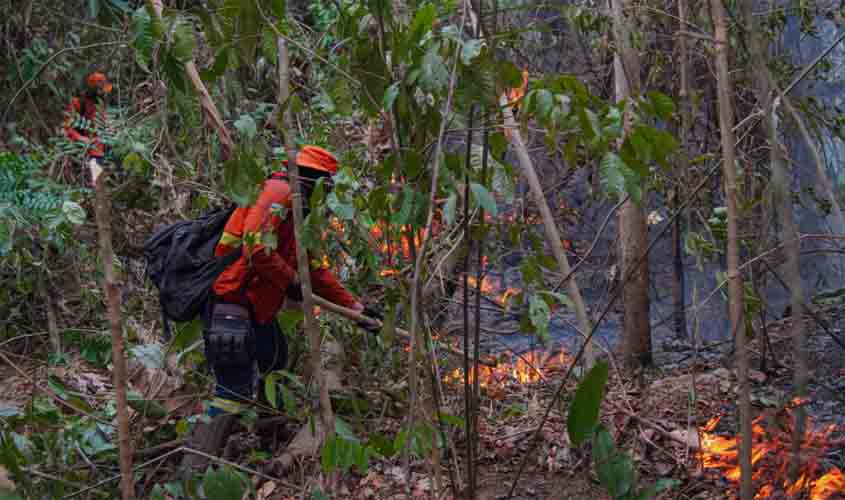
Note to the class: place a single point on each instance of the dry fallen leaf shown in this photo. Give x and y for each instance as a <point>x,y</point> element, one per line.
<point>266,490</point>
<point>686,436</point>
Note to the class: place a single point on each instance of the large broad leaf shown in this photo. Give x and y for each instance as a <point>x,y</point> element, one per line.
<point>345,211</point>
<point>433,73</point>
<point>618,178</point>
<point>660,105</point>
<point>145,34</point>
<point>390,96</point>
<point>617,475</point>
<point>484,198</point>
<point>243,177</point>
<point>343,430</point>
<point>404,214</point>
<point>223,484</point>
<point>187,334</point>
<point>584,412</point>
<point>74,213</point>
<point>246,126</point>
<point>182,46</point>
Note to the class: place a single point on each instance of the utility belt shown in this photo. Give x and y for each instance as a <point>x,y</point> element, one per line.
<point>229,335</point>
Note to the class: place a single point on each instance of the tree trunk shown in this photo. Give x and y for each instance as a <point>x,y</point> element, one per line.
<point>726,124</point>
<point>782,201</point>
<point>837,221</point>
<point>311,327</point>
<point>52,322</point>
<point>552,234</point>
<point>208,106</point>
<point>102,208</point>
<point>633,230</point>
<point>678,283</point>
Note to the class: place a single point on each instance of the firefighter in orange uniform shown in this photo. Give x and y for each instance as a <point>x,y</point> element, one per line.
<point>239,325</point>
<point>263,278</point>
<point>90,107</point>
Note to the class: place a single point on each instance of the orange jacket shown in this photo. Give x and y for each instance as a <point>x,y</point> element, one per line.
<point>86,108</point>
<point>271,272</point>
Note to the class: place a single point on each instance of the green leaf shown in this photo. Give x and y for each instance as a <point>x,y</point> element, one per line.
<point>590,125</point>
<point>617,475</point>
<point>618,178</point>
<point>221,62</point>
<point>509,75</point>
<point>562,298</point>
<point>290,319</point>
<point>243,178</point>
<point>7,231</point>
<point>452,420</point>
<point>183,42</point>
<point>379,443</point>
<point>544,101</point>
<point>603,446</point>
<point>661,105</point>
<point>390,96</point>
<point>329,455</point>
<point>187,334</point>
<point>150,355</point>
<point>540,315</point>
<point>74,213</point>
<point>246,127</point>
<point>145,406</point>
<point>343,430</point>
<point>484,198</point>
<point>470,50</point>
<point>404,214</point>
<point>223,484</point>
<point>345,211</point>
<point>652,491</point>
<point>433,74</point>
<point>450,209</point>
<point>584,412</point>
<point>144,36</point>
<point>270,390</point>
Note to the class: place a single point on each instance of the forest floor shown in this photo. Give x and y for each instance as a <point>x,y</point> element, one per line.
<point>657,419</point>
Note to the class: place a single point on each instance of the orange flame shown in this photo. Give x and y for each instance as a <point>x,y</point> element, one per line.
<point>526,369</point>
<point>770,457</point>
<point>490,286</point>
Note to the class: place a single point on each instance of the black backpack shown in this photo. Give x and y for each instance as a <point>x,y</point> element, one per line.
<point>181,264</point>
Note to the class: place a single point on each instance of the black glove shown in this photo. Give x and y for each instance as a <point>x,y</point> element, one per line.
<point>294,291</point>
<point>374,314</point>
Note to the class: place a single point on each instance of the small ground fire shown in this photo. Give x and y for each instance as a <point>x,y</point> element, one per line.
<point>770,456</point>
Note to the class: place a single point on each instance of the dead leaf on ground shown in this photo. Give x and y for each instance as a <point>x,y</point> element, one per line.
<point>688,437</point>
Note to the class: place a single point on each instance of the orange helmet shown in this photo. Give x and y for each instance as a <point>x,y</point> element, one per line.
<point>316,158</point>
<point>98,80</point>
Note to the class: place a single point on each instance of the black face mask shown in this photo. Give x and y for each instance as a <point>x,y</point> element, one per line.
<point>308,181</point>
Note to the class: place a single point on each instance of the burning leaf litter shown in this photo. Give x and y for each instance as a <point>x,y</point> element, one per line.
<point>771,454</point>
<point>527,368</point>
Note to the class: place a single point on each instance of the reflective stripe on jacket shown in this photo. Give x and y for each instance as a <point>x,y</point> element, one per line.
<point>272,271</point>
<point>86,109</point>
